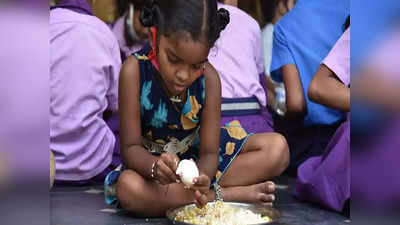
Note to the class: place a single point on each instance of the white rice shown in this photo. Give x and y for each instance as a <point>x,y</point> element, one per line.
<point>220,214</point>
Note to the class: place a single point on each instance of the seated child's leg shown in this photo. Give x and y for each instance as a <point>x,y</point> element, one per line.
<point>147,198</point>
<point>264,156</point>
<point>261,193</point>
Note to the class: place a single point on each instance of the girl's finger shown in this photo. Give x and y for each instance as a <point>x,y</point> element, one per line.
<point>161,179</point>
<point>200,189</point>
<point>202,200</point>
<point>197,194</point>
<point>198,205</point>
<point>187,187</point>
<point>175,160</point>
<point>171,160</point>
<point>166,172</point>
<point>201,181</point>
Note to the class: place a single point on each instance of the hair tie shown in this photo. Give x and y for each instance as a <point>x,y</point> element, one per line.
<point>222,18</point>
<point>153,53</point>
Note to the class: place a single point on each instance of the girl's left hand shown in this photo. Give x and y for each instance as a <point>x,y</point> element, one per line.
<point>201,187</point>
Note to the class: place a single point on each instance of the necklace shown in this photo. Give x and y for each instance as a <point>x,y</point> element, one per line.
<point>176,98</point>
<point>177,102</point>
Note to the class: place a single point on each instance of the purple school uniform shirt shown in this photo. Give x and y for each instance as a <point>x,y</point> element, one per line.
<point>238,57</point>
<point>338,59</point>
<point>84,70</point>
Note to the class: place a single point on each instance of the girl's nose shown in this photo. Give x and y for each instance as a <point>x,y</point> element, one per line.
<point>182,76</point>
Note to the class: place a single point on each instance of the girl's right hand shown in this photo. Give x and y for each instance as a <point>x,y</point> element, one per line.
<point>201,187</point>
<point>166,168</point>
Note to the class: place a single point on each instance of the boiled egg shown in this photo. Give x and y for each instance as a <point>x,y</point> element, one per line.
<point>187,169</point>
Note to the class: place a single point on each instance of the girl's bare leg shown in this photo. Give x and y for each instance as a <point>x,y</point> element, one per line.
<point>146,198</point>
<point>264,156</point>
<point>261,193</point>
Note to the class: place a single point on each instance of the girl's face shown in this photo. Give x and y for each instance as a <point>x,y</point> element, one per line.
<point>181,61</point>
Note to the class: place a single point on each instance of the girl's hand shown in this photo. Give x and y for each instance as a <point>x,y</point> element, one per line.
<point>201,187</point>
<point>166,167</point>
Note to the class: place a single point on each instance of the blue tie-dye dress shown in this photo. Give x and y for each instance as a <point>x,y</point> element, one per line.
<point>163,121</point>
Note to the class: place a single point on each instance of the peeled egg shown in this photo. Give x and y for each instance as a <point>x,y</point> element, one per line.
<point>188,171</point>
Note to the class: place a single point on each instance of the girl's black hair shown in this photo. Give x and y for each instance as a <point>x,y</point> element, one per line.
<point>268,8</point>
<point>198,18</point>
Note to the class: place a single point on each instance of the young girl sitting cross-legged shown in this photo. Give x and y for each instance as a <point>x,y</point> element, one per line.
<point>170,109</point>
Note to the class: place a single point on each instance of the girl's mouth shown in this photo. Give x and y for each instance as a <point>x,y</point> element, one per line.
<point>179,88</point>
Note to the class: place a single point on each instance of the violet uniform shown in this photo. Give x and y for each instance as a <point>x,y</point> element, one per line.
<point>325,179</point>
<point>238,59</point>
<point>84,70</point>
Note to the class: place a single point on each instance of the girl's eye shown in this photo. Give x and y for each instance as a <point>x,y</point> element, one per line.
<point>172,60</point>
<point>197,66</point>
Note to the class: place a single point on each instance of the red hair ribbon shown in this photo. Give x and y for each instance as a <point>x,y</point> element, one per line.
<point>153,54</point>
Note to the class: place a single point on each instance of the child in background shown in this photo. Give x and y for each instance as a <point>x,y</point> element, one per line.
<point>130,33</point>
<point>325,179</point>
<point>170,98</point>
<point>239,67</point>
<point>272,11</point>
<point>330,84</point>
<point>302,38</point>
<point>132,36</point>
<point>84,71</point>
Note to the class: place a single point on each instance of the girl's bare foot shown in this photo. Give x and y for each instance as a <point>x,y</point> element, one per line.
<point>262,193</point>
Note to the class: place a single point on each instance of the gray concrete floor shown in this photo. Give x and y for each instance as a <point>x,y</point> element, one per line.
<point>85,205</point>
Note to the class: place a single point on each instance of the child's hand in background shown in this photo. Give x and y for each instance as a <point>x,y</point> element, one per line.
<point>166,167</point>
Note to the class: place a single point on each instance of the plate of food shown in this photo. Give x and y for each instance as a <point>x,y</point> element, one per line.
<point>223,213</point>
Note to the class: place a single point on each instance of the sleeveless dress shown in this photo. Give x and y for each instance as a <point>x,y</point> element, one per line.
<point>162,121</point>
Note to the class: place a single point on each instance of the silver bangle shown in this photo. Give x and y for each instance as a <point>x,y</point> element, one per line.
<point>154,169</point>
<point>218,192</point>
